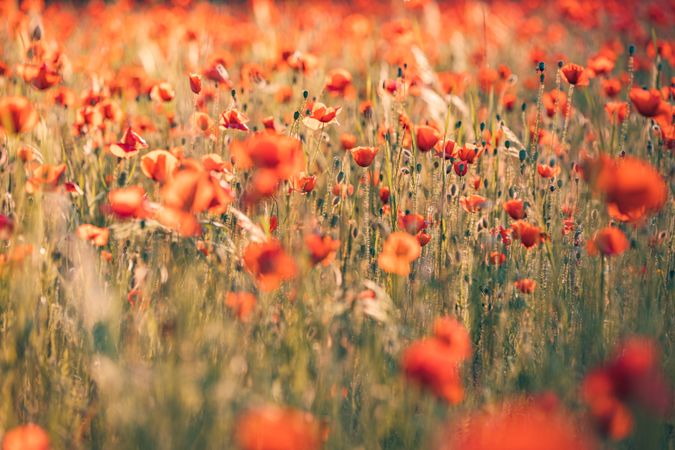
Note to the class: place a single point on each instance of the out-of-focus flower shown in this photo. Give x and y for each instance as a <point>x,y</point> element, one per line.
<point>17,115</point>
<point>399,251</point>
<point>269,263</point>
<point>275,428</point>
<point>26,437</point>
<point>609,241</point>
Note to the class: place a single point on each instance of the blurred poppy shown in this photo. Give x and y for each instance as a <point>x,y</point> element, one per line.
<point>26,437</point>
<point>128,202</point>
<point>159,165</point>
<point>609,241</point>
<point>399,250</point>
<point>241,303</point>
<point>322,249</point>
<point>525,285</point>
<point>522,424</point>
<point>269,264</point>
<point>275,428</point>
<point>17,115</point>
<point>98,236</point>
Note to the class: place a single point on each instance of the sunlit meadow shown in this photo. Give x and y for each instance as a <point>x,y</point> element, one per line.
<point>346,225</point>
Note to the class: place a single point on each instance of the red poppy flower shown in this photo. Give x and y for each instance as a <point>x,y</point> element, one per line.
<point>546,171</point>
<point>515,209</point>
<point>646,102</point>
<point>364,156</point>
<point>129,146</point>
<point>195,83</point>
<point>530,235</point>
<point>233,119</point>
<point>412,222</point>
<point>574,74</point>
<point>426,138</point>
<point>609,241</point>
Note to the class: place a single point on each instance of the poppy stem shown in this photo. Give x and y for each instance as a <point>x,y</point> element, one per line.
<point>568,110</point>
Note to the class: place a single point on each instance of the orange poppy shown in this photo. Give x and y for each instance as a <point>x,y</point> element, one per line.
<point>473,203</point>
<point>183,222</point>
<point>322,249</point>
<point>609,241</point>
<point>128,202</point>
<point>433,363</point>
<point>98,236</point>
<point>269,264</point>
<point>275,428</point>
<point>159,165</point>
<point>46,177</point>
<point>17,115</point>
<point>26,437</point>
<point>399,250</point>
<point>241,303</point>
<point>364,156</point>
<point>193,189</point>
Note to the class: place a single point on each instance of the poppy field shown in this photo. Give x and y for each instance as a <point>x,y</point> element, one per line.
<point>339,225</point>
